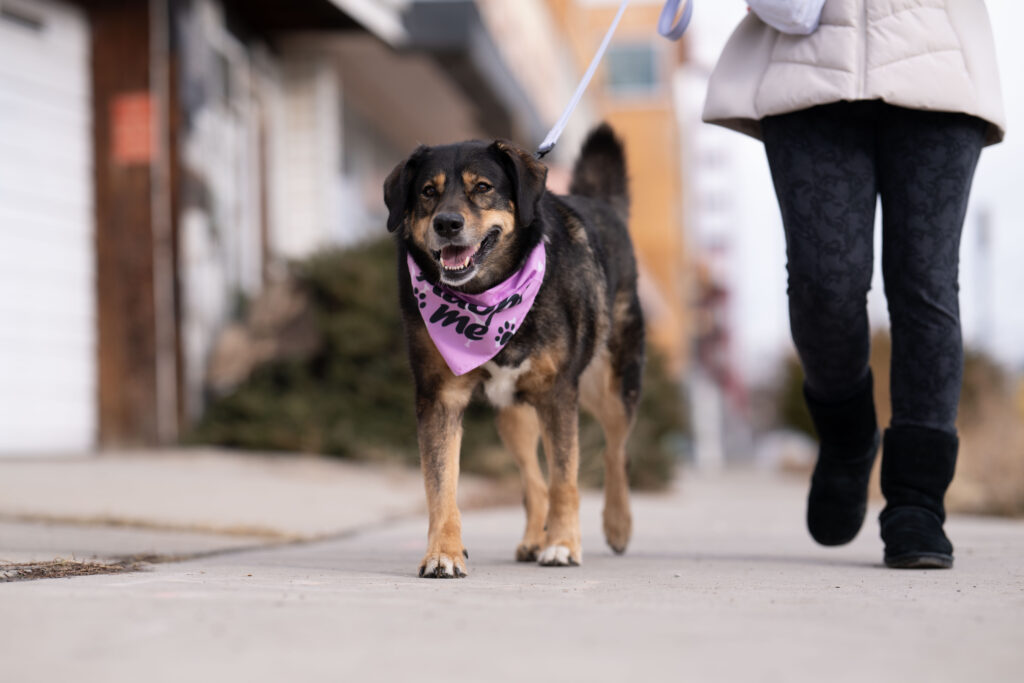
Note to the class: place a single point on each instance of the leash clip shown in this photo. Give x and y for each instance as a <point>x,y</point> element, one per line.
<point>668,15</point>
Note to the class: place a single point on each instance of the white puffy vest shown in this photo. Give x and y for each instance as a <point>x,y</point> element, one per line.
<point>935,55</point>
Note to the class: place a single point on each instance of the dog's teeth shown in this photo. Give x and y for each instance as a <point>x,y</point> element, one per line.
<point>461,266</point>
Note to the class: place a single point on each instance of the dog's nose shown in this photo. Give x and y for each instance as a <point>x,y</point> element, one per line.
<point>448,224</point>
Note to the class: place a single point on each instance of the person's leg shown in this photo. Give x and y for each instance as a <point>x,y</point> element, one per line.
<point>926,164</point>
<point>823,167</point>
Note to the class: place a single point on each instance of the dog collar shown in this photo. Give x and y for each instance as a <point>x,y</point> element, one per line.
<point>470,329</point>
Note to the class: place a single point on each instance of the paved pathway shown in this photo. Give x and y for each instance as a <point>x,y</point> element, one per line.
<point>721,583</point>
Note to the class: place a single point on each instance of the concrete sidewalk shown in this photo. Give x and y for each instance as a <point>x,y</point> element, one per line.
<point>182,502</point>
<point>721,583</point>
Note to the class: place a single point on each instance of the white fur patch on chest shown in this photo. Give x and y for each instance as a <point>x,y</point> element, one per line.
<point>501,387</point>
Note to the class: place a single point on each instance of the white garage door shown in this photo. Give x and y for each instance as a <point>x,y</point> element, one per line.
<point>48,392</point>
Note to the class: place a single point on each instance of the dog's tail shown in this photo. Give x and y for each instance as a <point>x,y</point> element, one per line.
<point>600,170</point>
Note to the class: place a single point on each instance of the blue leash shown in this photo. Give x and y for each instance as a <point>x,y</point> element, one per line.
<point>667,26</point>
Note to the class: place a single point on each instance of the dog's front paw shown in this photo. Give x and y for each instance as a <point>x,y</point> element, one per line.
<point>443,566</point>
<point>560,556</point>
<point>527,552</point>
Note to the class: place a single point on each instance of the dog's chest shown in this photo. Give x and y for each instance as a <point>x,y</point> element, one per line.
<point>501,386</point>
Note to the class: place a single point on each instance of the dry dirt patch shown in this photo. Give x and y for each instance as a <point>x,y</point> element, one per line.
<point>59,569</point>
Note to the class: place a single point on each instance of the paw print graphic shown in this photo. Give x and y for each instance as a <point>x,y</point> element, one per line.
<point>505,332</point>
<point>422,297</point>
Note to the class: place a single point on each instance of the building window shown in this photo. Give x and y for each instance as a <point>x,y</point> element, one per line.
<point>633,69</point>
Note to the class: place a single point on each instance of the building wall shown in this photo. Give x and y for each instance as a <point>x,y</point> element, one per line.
<point>648,123</point>
<point>221,221</point>
<point>218,148</point>
<point>306,148</point>
<point>533,44</point>
<point>123,110</point>
<point>47,260</point>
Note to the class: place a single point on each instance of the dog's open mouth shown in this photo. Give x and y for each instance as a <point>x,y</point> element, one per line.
<point>459,262</point>
<point>455,259</point>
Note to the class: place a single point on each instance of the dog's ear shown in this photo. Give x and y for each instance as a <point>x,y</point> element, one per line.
<point>527,174</point>
<point>398,187</point>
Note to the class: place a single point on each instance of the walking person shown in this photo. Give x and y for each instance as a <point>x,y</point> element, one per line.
<point>890,99</point>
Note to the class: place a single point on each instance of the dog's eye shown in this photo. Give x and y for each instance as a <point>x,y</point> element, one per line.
<point>482,187</point>
<point>429,191</point>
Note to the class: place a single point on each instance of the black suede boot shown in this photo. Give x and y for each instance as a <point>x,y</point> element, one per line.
<point>848,432</point>
<point>917,467</point>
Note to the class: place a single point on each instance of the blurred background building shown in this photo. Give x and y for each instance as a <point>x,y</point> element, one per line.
<point>161,161</point>
<point>636,90</point>
<point>164,164</point>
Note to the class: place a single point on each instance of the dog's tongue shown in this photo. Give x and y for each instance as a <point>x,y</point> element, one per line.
<point>455,257</point>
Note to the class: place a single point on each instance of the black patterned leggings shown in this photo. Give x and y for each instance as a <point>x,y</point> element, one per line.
<point>829,164</point>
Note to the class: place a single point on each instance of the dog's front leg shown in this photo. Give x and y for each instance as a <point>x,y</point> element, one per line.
<point>440,435</point>
<point>519,430</point>
<point>559,416</point>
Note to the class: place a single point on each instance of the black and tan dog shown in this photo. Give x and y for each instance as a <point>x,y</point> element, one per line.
<point>469,214</point>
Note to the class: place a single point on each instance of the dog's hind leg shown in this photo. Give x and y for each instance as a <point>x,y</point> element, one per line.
<point>520,431</point>
<point>439,426</point>
<point>610,390</point>
<point>600,396</point>
<point>617,518</point>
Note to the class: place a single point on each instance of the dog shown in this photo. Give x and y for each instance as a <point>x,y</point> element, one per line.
<point>469,219</point>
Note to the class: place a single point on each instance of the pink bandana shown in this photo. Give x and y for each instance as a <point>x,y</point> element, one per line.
<point>470,329</point>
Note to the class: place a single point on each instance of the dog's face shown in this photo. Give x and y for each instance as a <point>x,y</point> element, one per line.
<point>465,210</point>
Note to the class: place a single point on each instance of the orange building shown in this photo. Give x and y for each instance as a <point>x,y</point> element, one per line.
<point>633,91</point>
